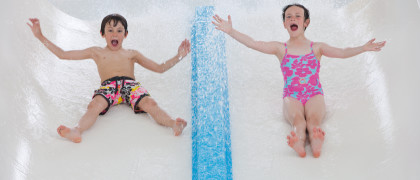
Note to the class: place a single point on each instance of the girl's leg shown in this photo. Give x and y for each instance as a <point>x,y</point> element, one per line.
<point>315,113</point>
<point>150,106</point>
<point>96,106</point>
<point>294,113</point>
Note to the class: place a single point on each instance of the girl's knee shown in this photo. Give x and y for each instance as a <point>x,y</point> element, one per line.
<point>298,120</point>
<point>314,119</point>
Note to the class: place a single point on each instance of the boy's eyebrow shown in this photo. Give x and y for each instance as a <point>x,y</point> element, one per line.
<point>298,13</point>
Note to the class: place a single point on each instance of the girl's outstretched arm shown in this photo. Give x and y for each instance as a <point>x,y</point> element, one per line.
<point>60,53</point>
<point>334,52</point>
<point>264,47</point>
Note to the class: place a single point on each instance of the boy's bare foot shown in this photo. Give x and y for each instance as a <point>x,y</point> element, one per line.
<point>71,134</point>
<point>317,139</point>
<point>297,144</point>
<point>179,126</point>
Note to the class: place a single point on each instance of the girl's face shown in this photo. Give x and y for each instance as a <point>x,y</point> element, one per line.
<point>294,21</point>
<point>114,36</point>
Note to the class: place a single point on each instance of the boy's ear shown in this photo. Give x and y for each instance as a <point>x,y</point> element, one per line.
<point>126,33</point>
<point>101,34</point>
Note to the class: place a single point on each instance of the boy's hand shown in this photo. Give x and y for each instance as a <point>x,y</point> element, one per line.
<point>223,25</point>
<point>371,46</point>
<point>184,48</point>
<point>35,27</point>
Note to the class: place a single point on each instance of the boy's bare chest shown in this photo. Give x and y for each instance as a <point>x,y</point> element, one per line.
<point>114,59</point>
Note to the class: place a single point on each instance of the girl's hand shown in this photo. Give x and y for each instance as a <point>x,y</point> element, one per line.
<point>184,48</point>
<point>223,25</point>
<point>371,46</point>
<point>35,27</point>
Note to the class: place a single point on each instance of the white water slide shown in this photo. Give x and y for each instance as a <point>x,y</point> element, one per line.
<point>372,125</point>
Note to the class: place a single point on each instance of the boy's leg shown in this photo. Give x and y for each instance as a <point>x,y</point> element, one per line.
<point>96,106</point>
<point>294,113</point>
<point>150,106</point>
<point>315,113</point>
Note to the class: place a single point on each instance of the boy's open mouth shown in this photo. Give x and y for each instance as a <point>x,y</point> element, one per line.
<point>294,27</point>
<point>114,42</point>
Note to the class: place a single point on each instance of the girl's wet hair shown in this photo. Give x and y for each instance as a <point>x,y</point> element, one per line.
<point>305,11</point>
<point>116,18</point>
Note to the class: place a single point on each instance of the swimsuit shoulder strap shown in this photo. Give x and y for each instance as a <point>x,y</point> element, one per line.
<point>312,43</point>
<point>285,44</point>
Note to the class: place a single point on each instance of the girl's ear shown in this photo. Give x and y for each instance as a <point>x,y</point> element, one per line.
<point>103,35</point>
<point>306,24</point>
<point>126,33</point>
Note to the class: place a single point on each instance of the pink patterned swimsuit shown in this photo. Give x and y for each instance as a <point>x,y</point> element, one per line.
<point>301,76</point>
<point>121,89</point>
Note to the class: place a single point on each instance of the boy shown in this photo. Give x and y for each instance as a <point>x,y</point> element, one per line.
<point>116,70</point>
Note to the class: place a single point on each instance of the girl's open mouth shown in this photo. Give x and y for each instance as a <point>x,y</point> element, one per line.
<point>114,42</point>
<point>294,27</point>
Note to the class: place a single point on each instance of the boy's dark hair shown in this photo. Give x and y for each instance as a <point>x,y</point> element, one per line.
<point>116,18</point>
<point>305,11</point>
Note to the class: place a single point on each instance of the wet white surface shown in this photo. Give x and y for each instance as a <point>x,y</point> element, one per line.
<point>372,99</point>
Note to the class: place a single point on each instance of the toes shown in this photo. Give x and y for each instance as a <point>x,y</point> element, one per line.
<point>316,154</point>
<point>302,154</point>
<point>179,126</point>
<point>60,129</point>
<point>77,140</point>
<point>314,130</point>
<point>180,121</point>
<point>318,132</point>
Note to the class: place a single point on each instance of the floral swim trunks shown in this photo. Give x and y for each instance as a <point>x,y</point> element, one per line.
<point>122,89</point>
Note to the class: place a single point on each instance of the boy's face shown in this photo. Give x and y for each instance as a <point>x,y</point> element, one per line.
<point>114,36</point>
<point>294,21</point>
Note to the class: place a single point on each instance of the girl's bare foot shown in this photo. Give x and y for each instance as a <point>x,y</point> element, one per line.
<point>179,126</point>
<point>71,134</point>
<point>297,144</point>
<point>317,139</point>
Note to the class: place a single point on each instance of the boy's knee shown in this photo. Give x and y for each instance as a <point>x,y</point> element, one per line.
<point>98,103</point>
<point>147,103</point>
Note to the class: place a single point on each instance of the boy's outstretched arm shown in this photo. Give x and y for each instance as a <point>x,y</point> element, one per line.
<point>262,46</point>
<point>147,63</point>
<point>334,52</point>
<point>69,55</point>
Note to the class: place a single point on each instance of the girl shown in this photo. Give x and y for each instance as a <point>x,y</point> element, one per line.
<point>299,57</point>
